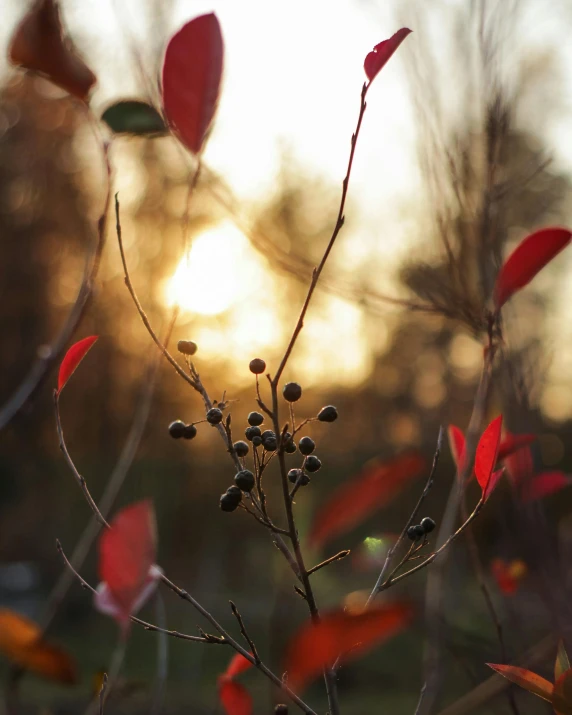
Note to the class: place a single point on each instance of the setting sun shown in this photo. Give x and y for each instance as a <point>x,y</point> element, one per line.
<point>219,271</point>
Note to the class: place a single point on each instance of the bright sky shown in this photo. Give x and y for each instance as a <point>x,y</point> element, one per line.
<point>293,74</point>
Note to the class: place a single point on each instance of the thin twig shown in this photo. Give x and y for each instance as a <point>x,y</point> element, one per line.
<point>247,638</point>
<point>391,552</point>
<point>102,693</point>
<point>337,557</point>
<point>79,479</point>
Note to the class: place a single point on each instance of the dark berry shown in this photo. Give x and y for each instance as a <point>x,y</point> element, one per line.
<point>288,442</point>
<point>281,710</point>
<point>292,392</point>
<point>328,414</point>
<point>269,440</point>
<point>190,432</point>
<point>412,533</point>
<point>214,416</point>
<point>257,366</point>
<point>420,531</point>
<point>235,491</point>
<point>241,448</point>
<point>228,502</point>
<point>268,434</point>
<point>177,429</point>
<point>427,524</point>
<point>312,463</point>
<point>306,446</point>
<point>257,441</point>
<point>298,475</point>
<point>187,347</point>
<point>251,432</point>
<point>244,480</point>
<point>255,419</point>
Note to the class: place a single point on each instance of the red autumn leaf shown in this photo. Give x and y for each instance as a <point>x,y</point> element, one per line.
<point>562,694</point>
<point>526,679</point>
<point>457,446</point>
<point>508,575</point>
<point>520,465</point>
<point>127,553</point>
<point>544,484</point>
<point>39,45</point>
<point>192,72</point>
<point>382,53</point>
<point>512,443</point>
<point>487,454</point>
<point>22,643</point>
<point>234,697</point>
<point>528,258</point>
<point>72,359</point>
<point>238,664</point>
<point>372,489</point>
<point>316,646</point>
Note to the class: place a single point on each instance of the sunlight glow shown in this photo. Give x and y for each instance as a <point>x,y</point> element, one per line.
<point>217,272</point>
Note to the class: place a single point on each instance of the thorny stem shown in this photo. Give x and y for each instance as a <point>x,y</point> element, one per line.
<point>225,639</point>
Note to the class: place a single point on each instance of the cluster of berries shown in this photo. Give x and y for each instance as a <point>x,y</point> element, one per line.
<point>415,533</point>
<point>178,429</point>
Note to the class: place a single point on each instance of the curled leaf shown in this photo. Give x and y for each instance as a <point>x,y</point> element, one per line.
<point>22,643</point>
<point>38,45</point>
<point>562,663</point>
<point>131,116</point>
<point>528,258</point>
<point>372,489</point>
<point>192,73</point>
<point>316,646</point>
<point>525,679</point>
<point>382,53</point>
<point>486,456</point>
<point>127,553</point>
<point>72,359</point>
<point>234,697</point>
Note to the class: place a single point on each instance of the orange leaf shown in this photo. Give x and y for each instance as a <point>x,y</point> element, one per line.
<point>238,664</point>
<point>525,679</point>
<point>127,553</point>
<point>562,695</point>
<point>72,359</point>
<point>38,45</point>
<point>192,72</point>
<point>486,456</point>
<point>21,642</point>
<point>529,257</point>
<point>234,697</point>
<point>353,501</point>
<point>382,53</point>
<point>316,646</point>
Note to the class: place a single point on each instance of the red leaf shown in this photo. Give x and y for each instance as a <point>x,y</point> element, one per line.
<point>512,443</point>
<point>127,552</point>
<point>457,446</point>
<point>191,79</point>
<point>238,664</point>
<point>234,698</point>
<point>353,501</point>
<point>526,679</point>
<point>72,359</point>
<point>543,485</point>
<point>316,646</point>
<point>529,257</point>
<point>486,455</point>
<point>508,576</point>
<point>382,52</point>
<point>520,465</point>
<point>38,45</point>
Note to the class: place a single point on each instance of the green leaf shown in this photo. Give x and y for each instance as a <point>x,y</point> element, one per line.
<point>134,117</point>
<point>562,663</point>
<point>525,679</point>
